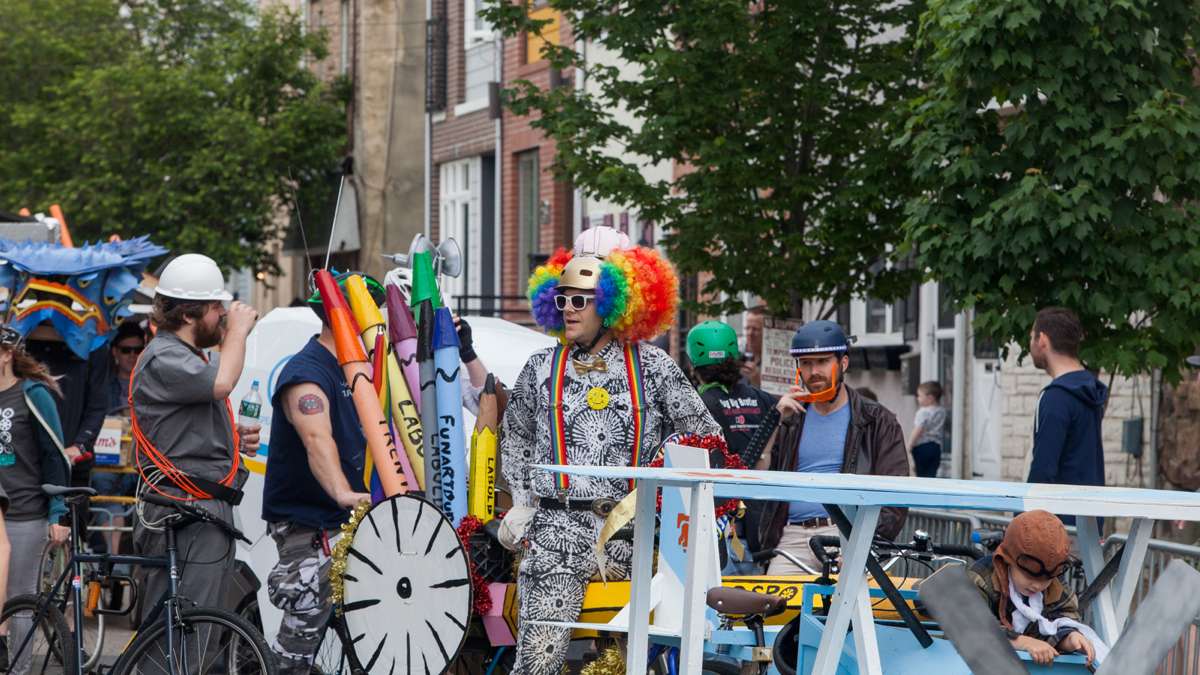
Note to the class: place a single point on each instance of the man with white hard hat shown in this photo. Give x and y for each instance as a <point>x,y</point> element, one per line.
<point>183,424</point>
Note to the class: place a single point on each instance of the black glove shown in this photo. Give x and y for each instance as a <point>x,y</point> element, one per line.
<point>466,346</point>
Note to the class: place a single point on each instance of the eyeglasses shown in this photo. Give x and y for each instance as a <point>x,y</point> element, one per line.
<point>130,350</point>
<point>577,302</point>
<point>1036,568</point>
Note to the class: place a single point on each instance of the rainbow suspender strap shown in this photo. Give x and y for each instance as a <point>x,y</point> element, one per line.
<point>558,428</point>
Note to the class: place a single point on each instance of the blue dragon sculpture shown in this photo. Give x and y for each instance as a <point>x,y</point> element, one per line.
<point>83,292</point>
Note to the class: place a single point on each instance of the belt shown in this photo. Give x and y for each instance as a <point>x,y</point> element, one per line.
<point>813,522</point>
<point>601,507</point>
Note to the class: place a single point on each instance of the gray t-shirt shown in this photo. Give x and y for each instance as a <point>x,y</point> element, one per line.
<point>932,421</point>
<point>20,458</point>
<point>173,398</point>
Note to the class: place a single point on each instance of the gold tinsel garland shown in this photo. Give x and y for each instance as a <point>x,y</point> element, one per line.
<point>337,568</point>
<point>611,662</point>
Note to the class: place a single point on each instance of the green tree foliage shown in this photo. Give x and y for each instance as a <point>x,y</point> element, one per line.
<point>783,110</point>
<point>188,120</point>
<point>1058,151</point>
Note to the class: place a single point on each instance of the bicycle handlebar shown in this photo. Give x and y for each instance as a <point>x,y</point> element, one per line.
<point>195,514</point>
<point>821,544</point>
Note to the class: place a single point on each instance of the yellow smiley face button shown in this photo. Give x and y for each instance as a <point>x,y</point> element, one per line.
<point>597,398</point>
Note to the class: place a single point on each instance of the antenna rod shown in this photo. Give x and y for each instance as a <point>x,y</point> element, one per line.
<point>333,228</point>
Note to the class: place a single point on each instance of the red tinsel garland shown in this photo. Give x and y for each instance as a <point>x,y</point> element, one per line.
<point>709,443</point>
<point>482,603</point>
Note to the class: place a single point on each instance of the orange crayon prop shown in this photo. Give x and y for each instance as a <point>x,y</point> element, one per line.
<point>357,371</point>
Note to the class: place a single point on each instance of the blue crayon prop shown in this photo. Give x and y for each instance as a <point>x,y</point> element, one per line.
<point>450,443</point>
<point>428,395</point>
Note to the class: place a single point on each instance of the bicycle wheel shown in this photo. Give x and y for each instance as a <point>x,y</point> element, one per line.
<point>50,649</point>
<point>55,559</point>
<point>332,657</point>
<point>207,641</point>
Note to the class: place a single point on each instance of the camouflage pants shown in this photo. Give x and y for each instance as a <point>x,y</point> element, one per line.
<point>299,585</point>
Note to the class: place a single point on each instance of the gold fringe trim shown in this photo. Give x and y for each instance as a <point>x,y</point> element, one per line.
<point>337,568</point>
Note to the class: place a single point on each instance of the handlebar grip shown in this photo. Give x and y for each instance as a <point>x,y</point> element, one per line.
<point>159,500</point>
<point>821,542</point>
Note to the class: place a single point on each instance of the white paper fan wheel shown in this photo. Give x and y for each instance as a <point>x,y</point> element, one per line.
<point>407,588</point>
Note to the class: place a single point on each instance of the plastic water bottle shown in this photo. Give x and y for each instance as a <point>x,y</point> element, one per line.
<point>250,410</point>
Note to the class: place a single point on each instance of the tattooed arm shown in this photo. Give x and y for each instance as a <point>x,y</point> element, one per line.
<point>307,409</point>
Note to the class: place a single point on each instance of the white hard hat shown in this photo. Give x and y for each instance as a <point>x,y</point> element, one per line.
<point>193,276</point>
<point>599,241</point>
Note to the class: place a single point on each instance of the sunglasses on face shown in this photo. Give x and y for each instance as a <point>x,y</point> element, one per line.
<point>1036,568</point>
<point>130,350</point>
<point>577,302</point>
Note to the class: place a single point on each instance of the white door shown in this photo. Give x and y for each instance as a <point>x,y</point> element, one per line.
<point>462,220</point>
<point>986,400</point>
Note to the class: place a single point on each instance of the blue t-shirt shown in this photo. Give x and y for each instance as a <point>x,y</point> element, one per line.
<point>292,493</point>
<point>822,445</point>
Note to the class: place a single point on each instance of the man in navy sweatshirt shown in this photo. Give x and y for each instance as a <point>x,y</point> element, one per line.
<point>1067,444</point>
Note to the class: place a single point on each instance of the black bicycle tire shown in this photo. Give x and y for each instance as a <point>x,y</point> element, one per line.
<point>337,624</point>
<point>53,617</point>
<point>148,638</point>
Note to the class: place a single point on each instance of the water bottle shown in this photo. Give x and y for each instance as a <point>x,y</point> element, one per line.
<point>251,408</point>
<point>250,411</point>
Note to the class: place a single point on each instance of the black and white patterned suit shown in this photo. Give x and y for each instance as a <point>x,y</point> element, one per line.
<point>559,557</point>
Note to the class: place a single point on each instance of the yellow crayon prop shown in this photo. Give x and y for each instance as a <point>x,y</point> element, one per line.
<point>357,371</point>
<point>395,398</point>
<point>481,494</point>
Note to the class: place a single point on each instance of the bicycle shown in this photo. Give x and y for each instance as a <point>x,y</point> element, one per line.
<point>174,640</point>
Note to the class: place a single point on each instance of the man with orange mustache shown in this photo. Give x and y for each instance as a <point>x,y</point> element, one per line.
<point>826,427</point>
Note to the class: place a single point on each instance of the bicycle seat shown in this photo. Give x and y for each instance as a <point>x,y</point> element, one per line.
<point>740,601</point>
<point>64,491</point>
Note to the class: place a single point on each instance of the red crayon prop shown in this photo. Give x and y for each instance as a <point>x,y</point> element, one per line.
<point>358,372</point>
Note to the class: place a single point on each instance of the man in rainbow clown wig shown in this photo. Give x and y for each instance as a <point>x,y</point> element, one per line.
<point>603,396</point>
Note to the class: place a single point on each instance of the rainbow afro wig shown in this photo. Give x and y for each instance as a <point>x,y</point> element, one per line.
<point>637,293</point>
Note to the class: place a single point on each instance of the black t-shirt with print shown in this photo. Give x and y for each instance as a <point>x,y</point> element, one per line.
<point>739,411</point>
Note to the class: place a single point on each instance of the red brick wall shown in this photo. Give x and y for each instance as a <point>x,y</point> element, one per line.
<point>456,137</point>
<point>518,137</point>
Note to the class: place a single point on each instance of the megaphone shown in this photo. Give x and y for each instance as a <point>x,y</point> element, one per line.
<point>447,256</point>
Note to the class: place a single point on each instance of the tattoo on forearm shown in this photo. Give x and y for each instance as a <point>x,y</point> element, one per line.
<point>311,404</point>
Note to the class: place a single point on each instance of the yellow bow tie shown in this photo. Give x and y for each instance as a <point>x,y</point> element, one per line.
<point>583,367</point>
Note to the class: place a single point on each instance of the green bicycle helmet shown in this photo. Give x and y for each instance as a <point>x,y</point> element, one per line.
<point>711,342</point>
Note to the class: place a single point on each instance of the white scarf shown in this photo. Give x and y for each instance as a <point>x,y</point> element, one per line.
<point>1029,610</point>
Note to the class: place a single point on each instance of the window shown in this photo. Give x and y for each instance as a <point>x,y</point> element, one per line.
<point>535,42</point>
<point>876,323</point>
<point>460,219</point>
<point>344,36</point>
<point>477,28</point>
<point>528,210</point>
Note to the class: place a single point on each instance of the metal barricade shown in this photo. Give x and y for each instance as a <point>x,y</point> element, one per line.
<point>943,527</point>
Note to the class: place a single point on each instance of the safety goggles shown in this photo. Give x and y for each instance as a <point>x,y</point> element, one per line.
<point>576,302</point>
<point>1036,568</point>
<point>9,337</point>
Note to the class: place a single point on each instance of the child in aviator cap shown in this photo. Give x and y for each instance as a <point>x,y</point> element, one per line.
<point>1020,584</point>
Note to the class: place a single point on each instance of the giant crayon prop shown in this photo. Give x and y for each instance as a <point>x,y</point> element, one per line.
<point>357,371</point>
<point>402,329</point>
<point>393,392</point>
<point>481,493</point>
<point>451,451</point>
<point>429,409</point>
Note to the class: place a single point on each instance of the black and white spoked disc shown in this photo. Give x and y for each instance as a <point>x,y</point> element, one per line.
<point>407,588</point>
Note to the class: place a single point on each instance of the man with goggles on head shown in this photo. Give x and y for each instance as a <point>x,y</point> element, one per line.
<point>825,427</point>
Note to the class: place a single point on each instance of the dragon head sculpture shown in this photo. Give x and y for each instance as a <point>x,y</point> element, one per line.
<point>83,292</point>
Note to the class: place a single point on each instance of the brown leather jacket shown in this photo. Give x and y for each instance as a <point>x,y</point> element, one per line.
<point>874,446</point>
